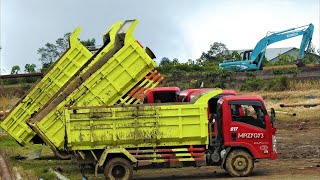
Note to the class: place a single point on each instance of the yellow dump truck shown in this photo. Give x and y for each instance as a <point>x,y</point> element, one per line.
<point>92,113</point>
<point>117,139</point>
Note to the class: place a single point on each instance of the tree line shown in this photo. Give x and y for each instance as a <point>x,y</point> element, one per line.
<point>208,61</point>
<point>49,53</point>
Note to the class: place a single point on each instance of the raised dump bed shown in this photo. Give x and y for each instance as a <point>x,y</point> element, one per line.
<point>57,76</point>
<point>120,80</point>
<point>141,125</point>
<point>76,60</point>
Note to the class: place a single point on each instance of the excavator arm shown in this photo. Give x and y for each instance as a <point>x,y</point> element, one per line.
<point>305,44</point>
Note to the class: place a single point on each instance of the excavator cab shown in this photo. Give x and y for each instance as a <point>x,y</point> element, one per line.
<point>246,54</point>
<point>258,59</point>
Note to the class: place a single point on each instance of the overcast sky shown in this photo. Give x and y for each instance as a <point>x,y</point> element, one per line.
<point>176,29</point>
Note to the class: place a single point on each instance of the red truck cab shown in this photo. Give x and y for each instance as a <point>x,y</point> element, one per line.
<point>185,95</point>
<point>188,94</point>
<point>241,138</point>
<point>162,95</point>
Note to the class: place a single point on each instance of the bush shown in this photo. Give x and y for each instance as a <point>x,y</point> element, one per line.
<point>280,83</point>
<point>251,74</point>
<point>177,73</point>
<point>220,78</point>
<point>253,84</point>
<point>25,87</point>
<point>293,71</point>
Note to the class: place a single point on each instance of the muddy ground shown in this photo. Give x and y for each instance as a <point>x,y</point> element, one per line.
<point>299,158</point>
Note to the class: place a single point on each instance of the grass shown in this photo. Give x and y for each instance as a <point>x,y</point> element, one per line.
<point>34,169</point>
<point>310,95</point>
<point>6,141</point>
<point>304,85</point>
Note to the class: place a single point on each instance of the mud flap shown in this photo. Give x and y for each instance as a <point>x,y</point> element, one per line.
<point>223,161</point>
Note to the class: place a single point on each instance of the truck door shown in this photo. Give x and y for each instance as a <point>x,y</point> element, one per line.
<point>248,129</point>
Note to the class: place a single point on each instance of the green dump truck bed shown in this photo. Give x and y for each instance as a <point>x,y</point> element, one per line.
<point>123,76</point>
<point>133,126</point>
<point>54,80</point>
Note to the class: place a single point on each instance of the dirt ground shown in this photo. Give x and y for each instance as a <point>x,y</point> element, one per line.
<point>298,144</point>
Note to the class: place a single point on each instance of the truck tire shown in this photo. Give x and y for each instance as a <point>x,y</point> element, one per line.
<point>239,163</point>
<point>63,155</point>
<point>118,169</point>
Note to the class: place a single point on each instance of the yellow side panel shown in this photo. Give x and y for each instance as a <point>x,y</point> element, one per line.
<point>137,126</point>
<point>57,76</point>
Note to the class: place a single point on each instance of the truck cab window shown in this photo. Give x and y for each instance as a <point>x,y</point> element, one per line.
<point>145,100</point>
<point>165,97</point>
<point>253,115</point>
<point>182,98</point>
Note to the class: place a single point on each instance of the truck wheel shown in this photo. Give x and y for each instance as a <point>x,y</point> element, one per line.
<point>63,155</point>
<point>118,169</point>
<point>239,163</point>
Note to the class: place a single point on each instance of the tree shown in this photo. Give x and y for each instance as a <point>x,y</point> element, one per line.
<point>89,43</point>
<point>235,55</point>
<point>199,62</point>
<point>15,69</point>
<point>164,61</point>
<point>311,48</point>
<point>48,54</point>
<point>217,51</point>
<point>310,57</point>
<point>51,52</point>
<point>189,62</point>
<point>175,61</point>
<point>285,59</point>
<point>62,44</point>
<point>30,68</point>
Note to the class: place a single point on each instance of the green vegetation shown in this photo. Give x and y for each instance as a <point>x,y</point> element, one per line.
<point>52,51</point>
<point>280,83</point>
<point>6,141</point>
<point>293,71</point>
<point>252,84</point>
<point>204,69</point>
<point>34,169</point>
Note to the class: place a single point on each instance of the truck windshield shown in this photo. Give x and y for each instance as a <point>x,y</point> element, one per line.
<point>248,114</point>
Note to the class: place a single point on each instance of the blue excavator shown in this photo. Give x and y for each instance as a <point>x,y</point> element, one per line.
<point>252,59</point>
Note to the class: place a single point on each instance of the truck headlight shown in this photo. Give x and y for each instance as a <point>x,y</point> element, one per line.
<point>274,143</point>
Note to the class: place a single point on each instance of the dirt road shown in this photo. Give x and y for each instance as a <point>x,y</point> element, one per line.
<point>299,158</point>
